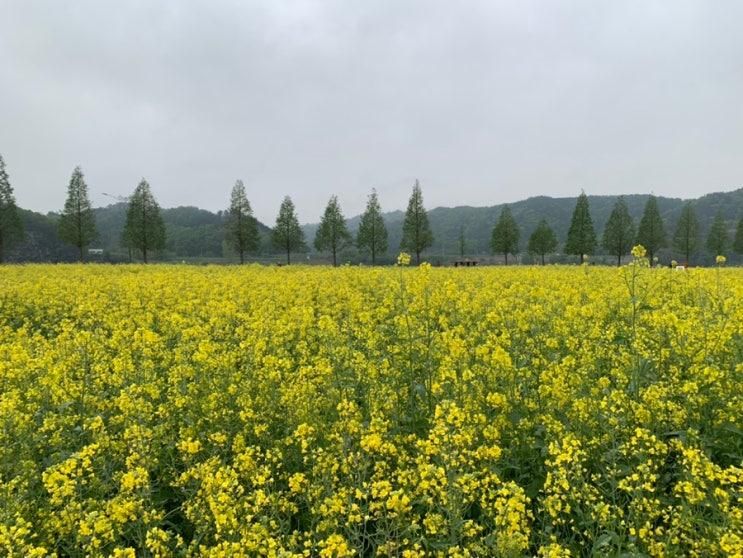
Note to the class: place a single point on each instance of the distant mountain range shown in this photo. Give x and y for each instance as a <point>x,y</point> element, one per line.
<point>198,235</point>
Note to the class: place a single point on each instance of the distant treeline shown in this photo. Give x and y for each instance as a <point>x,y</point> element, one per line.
<point>536,230</point>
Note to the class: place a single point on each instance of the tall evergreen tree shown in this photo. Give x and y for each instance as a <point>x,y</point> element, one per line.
<point>144,229</point>
<point>372,235</point>
<point>77,222</point>
<point>416,231</point>
<point>505,237</point>
<point>242,228</point>
<point>619,232</point>
<point>717,238</point>
<point>11,227</point>
<point>462,242</point>
<point>738,243</point>
<point>581,236</point>
<point>651,233</point>
<point>542,241</point>
<point>287,234</point>
<point>332,234</point>
<point>687,232</point>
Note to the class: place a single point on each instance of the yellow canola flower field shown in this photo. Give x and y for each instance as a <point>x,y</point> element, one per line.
<point>251,411</point>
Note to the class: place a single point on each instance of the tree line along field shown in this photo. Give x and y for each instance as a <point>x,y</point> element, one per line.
<point>137,229</point>
<point>253,411</point>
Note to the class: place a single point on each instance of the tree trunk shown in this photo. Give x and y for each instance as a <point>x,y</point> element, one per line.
<point>242,257</point>
<point>144,232</point>
<point>619,260</point>
<point>335,264</point>
<point>581,257</point>
<point>288,256</point>
<point>1,249</point>
<point>417,257</point>
<point>374,259</point>
<point>542,259</point>
<point>506,255</point>
<point>688,253</point>
<point>79,227</point>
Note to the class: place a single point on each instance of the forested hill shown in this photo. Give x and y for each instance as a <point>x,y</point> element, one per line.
<point>192,233</point>
<point>198,234</point>
<point>478,222</point>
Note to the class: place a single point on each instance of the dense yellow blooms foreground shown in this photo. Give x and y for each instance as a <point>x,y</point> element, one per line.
<point>166,411</point>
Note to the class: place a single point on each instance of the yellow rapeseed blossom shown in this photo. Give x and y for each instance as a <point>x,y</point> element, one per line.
<point>176,411</point>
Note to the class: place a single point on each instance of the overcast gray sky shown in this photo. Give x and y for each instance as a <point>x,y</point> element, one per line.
<point>484,102</point>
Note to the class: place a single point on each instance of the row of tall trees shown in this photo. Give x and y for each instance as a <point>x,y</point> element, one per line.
<point>619,234</point>
<point>76,223</point>
<point>144,229</point>
<point>333,236</point>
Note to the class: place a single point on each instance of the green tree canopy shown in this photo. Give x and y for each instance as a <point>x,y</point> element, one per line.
<point>241,227</point>
<point>505,237</point>
<point>619,232</point>
<point>287,234</point>
<point>372,235</point>
<point>717,238</point>
<point>651,233</point>
<point>581,236</point>
<point>11,227</point>
<point>144,230</point>
<point>77,222</point>
<point>687,232</point>
<point>542,241</point>
<point>416,231</point>
<point>738,243</point>
<point>332,234</point>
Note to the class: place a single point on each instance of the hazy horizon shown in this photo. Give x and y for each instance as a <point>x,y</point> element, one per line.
<point>484,102</point>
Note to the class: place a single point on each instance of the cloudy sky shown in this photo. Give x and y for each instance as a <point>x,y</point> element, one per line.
<point>484,102</point>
